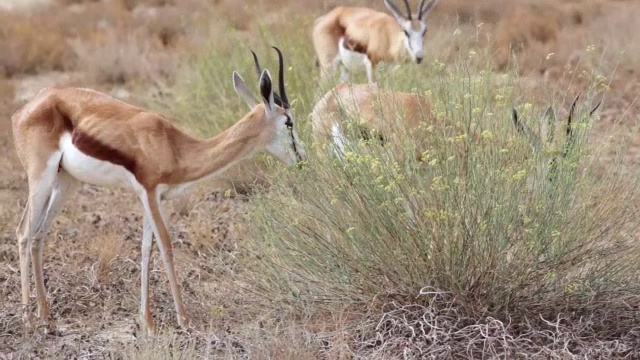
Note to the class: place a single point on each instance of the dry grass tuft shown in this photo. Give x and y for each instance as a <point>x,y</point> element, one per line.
<point>105,248</point>
<point>237,13</point>
<point>616,35</point>
<point>124,59</point>
<point>31,44</point>
<point>524,27</point>
<point>113,42</point>
<point>7,90</point>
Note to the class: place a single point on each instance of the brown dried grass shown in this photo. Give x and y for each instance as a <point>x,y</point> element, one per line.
<point>30,44</point>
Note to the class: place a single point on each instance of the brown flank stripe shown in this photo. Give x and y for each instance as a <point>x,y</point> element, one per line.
<point>94,148</point>
<point>354,46</point>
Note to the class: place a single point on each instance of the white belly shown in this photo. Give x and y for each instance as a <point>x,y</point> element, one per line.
<point>91,170</point>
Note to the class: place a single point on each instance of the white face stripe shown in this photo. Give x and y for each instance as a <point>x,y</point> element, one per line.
<point>285,145</point>
<point>414,39</point>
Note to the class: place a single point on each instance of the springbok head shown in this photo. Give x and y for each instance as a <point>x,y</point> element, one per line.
<point>282,139</point>
<point>547,135</point>
<point>414,29</point>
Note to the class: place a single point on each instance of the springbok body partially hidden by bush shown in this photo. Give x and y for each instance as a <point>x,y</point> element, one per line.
<point>65,136</point>
<point>366,111</point>
<point>548,136</point>
<point>350,38</point>
<point>369,111</point>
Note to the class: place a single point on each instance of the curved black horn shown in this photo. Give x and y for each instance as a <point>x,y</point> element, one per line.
<point>276,96</point>
<point>425,8</point>
<point>570,136</point>
<point>526,131</point>
<point>420,9</point>
<point>283,94</point>
<point>571,111</point>
<point>255,60</point>
<point>595,108</point>
<point>406,3</point>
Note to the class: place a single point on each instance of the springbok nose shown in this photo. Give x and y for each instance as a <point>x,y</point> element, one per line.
<point>419,60</point>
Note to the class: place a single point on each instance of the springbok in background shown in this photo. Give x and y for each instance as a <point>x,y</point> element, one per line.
<point>350,38</point>
<point>547,135</point>
<point>65,136</point>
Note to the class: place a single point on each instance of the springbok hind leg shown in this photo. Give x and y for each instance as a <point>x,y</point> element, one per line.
<point>345,76</point>
<point>31,225</point>
<point>62,186</point>
<point>23,252</point>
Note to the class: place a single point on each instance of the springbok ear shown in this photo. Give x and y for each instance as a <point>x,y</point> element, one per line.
<point>266,89</point>
<point>243,91</point>
<point>523,129</point>
<point>424,11</point>
<point>394,10</point>
<point>549,115</point>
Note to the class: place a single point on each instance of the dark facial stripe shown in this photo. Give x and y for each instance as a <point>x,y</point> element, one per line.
<point>289,125</point>
<point>96,149</point>
<point>295,148</point>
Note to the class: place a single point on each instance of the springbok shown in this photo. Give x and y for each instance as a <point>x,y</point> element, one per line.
<point>65,136</point>
<point>547,136</point>
<point>368,111</point>
<point>350,38</point>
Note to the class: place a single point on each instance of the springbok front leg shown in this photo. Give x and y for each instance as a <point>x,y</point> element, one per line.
<point>370,68</point>
<point>151,204</point>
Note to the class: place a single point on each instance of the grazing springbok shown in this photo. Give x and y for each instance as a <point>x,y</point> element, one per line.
<point>350,38</point>
<point>367,111</point>
<point>65,136</point>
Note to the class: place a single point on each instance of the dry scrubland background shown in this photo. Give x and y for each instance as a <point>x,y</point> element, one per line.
<point>177,56</point>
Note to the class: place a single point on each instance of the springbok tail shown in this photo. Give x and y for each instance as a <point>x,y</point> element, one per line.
<point>327,31</point>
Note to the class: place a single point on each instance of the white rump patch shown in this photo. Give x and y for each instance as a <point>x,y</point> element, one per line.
<point>353,61</point>
<point>339,141</point>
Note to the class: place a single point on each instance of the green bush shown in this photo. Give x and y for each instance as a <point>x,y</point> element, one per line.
<point>479,217</point>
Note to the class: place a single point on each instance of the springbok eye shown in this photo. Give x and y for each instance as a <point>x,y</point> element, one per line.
<point>289,123</point>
